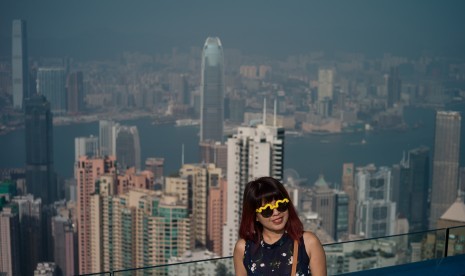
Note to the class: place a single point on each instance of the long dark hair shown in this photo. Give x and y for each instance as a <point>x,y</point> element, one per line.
<point>265,190</point>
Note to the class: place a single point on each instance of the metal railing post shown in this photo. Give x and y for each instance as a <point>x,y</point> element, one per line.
<point>446,245</point>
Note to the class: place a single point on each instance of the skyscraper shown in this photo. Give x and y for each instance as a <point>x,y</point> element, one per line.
<point>324,203</point>
<point>20,64</point>
<point>252,152</point>
<point>349,189</point>
<point>40,175</point>
<point>375,210</point>
<point>212,91</point>
<point>411,193</point>
<point>51,84</point>
<point>445,163</point>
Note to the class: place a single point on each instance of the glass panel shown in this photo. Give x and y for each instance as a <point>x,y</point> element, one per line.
<point>383,252</point>
<point>456,241</point>
<point>222,266</point>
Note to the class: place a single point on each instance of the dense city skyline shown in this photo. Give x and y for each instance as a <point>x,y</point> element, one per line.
<point>273,28</point>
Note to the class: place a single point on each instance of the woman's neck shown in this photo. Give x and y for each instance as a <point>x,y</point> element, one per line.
<point>271,237</point>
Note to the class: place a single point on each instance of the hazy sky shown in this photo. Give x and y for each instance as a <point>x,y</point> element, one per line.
<point>105,27</point>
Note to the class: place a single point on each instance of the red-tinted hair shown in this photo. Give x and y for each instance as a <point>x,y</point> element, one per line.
<point>264,190</point>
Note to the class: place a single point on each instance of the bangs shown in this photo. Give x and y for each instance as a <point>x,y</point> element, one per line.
<point>267,194</point>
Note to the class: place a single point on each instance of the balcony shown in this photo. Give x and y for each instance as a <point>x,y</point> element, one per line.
<point>433,252</point>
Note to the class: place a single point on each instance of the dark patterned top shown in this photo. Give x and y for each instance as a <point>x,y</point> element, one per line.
<point>275,259</point>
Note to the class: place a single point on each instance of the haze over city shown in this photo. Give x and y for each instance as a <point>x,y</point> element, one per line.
<point>129,130</point>
<point>93,29</point>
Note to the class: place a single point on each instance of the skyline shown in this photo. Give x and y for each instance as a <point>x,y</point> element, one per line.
<point>273,29</point>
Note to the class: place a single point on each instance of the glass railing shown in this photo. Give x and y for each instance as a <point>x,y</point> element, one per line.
<point>342,257</point>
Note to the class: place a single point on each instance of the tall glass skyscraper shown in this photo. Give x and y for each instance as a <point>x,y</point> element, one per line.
<point>19,62</point>
<point>212,91</point>
<point>40,175</point>
<point>445,163</point>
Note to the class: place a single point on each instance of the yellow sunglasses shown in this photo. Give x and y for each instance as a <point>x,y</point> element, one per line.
<point>267,210</point>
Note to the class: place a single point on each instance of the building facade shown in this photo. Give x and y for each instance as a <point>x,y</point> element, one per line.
<point>40,174</point>
<point>252,152</point>
<point>51,83</point>
<point>445,163</point>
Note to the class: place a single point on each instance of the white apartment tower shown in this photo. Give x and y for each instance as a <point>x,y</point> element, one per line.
<point>252,152</point>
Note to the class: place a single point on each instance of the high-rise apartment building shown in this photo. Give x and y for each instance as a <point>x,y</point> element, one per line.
<point>40,174</point>
<point>200,177</point>
<point>375,210</point>
<point>445,163</point>
<point>20,64</point>
<point>75,92</point>
<point>86,172</point>
<point>10,241</point>
<point>212,91</point>
<point>128,147</point>
<point>51,84</point>
<point>107,137</point>
<point>139,228</point>
<point>87,146</point>
<point>216,216</point>
<point>252,152</point>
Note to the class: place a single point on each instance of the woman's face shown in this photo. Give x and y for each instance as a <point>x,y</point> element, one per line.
<point>276,222</point>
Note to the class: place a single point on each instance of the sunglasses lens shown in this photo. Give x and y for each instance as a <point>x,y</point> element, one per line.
<point>282,206</point>
<point>266,213</point>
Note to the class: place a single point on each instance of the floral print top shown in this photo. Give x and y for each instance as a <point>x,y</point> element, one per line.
<point>275,259</point>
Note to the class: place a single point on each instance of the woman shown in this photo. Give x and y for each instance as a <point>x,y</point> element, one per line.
<point>268,232</point>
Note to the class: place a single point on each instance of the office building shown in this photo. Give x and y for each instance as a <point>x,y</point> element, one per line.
<point>75,92</point>
<point>342,216</point>
<point>87,146</point>
<point>445,163</point>
<point>410,188</point>
<point>156,166</point>
<point>40,174</point>
<point>252,152</point>
<point>20,64</point>
<point>51,83</point>
<point>324,203</point>
<point>212,91</point>
<point>376,212</point>
<point>86,172</point>
<point>128,147</point>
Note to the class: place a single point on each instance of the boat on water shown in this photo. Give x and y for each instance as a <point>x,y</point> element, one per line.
<point>187,122</point>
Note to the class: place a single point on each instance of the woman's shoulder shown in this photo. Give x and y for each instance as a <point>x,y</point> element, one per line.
<point>240,246</point>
